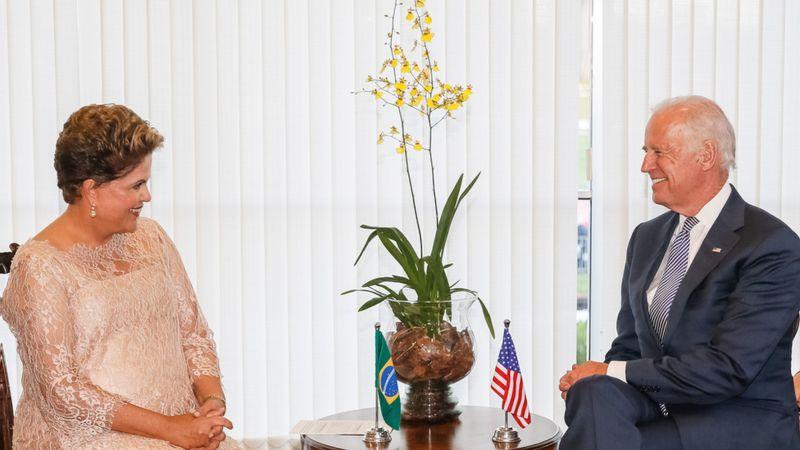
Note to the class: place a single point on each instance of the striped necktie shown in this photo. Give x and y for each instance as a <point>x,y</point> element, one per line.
<point>677,265</point>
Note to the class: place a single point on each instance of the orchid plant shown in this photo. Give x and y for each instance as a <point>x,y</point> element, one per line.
<point>407,83</point>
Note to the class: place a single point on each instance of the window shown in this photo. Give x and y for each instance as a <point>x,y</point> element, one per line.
<point>584,184</point>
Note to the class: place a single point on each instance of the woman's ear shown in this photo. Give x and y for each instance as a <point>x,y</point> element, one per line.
<point>89,190</point>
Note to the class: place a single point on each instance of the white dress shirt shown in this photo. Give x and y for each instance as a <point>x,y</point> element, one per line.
<point>705,220</point>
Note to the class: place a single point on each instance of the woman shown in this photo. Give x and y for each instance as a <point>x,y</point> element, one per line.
<point>115,351</point>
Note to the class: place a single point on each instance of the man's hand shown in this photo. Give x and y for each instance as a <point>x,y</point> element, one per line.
<point>580,371</point>
<point>797,387</point>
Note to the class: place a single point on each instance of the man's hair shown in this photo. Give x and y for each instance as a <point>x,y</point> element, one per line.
<point>103,143</point>
<point>702,119</point>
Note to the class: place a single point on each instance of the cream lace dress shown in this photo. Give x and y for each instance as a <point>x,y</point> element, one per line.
<point>97,327</point>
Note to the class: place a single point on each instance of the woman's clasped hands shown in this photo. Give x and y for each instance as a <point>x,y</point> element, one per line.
<point>203,430</point>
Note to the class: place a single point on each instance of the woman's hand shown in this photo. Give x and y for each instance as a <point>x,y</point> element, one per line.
<point>188,431</point>
<point>797,387</point>
<point>212,407</point>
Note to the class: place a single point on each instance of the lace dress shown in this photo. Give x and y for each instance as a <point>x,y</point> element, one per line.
<point>97,327</point>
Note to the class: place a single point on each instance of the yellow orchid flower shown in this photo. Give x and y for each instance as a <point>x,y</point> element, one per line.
<point>378,94</point>
<point>420,3</point>
<point>410,15</point>
<point>400,150</point>
<point>431,103</point>
<point>452,106</point>
<point>400,85</point>
<point>415,101</point>
<point>414,92</point>
<point>399,102</point>
<point>393,130</point>
<point>415,67</point>
<point>428,19</point>
<point>435,67</point>
<point>428,88</point>
<point>406,68</point>
<point>393,63</point>
<point>436,98</point>
<point>380,138</point>
<point>427,35</point>
<point>417,146</point>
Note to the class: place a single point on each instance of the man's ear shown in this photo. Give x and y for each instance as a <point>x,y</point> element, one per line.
<point>708,155</point>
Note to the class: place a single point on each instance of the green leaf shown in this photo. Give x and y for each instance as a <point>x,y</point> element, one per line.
<point>372,302</point>
<point>370,238</point>
<point>390,279</point>
<point>446,219</point>
<point>371,291</point>
<point>487,317</point>
<point>469,186</point>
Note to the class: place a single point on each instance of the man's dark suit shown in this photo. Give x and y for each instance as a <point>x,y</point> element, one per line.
<point>724,368</point>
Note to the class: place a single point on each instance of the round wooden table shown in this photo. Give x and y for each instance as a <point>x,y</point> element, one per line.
<point>472,431</point>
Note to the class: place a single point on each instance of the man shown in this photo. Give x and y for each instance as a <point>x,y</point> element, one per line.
<point>710,298</point>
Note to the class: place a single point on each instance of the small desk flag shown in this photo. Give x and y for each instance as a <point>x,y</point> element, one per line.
<point>507,383</point>
<point>386,383</point>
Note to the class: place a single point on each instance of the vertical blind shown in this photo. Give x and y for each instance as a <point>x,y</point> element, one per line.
<point>744,54</point>
<point>270,165</point>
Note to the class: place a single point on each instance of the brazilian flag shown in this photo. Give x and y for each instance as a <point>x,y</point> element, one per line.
<point>386,383</point>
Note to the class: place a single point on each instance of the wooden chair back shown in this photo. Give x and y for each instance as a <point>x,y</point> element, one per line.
<point>6,408</point>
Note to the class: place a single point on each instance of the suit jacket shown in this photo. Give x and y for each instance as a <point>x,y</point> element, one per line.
<point>723,369</point>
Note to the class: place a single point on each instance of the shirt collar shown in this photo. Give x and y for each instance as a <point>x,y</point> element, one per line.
<point>710,211</point>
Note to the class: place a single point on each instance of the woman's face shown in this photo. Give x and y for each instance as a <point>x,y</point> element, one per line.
<point>119,202</point>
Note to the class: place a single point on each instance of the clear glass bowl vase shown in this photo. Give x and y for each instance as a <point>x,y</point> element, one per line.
<point>432,347</point>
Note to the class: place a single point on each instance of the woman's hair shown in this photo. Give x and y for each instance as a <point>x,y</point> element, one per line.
<point>102,143</point>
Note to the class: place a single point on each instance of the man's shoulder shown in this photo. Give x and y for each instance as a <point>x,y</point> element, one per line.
<point>761,224</point>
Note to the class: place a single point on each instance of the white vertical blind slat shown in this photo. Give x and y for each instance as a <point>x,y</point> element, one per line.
<point>159,90</point>
<point>747,140</point>
<point>276,139</point>
<point>231,212</point>
<point>44,110</point>
<point>321,154</point>
<point>538,239</point>
<point>478,209</point>
<point>112,51</point>
<point>298,163</point>
<point>771,117</point>
<point>253,235</point>
<point>566,105</point>
<point>345,181</point>
<point>90,51</point>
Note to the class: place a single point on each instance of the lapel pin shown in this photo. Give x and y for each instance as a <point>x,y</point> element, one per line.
<point>716,250</point>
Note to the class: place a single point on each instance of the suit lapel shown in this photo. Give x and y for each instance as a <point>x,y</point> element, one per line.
<point>715,247</point>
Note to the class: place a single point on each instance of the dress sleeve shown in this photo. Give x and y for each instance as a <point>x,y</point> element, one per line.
<point>196,336</point>
<point>36,306</point>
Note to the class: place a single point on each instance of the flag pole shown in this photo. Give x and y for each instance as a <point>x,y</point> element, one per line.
<point>506,434</point>
<point>377,434</point>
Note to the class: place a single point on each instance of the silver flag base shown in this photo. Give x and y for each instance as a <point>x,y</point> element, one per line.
<point>376,436</point>
<point>505,435</point>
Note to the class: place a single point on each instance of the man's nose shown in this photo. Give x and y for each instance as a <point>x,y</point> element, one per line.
<point>647,162</point>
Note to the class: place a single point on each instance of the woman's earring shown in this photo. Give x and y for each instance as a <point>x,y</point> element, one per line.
<point>93,211</point>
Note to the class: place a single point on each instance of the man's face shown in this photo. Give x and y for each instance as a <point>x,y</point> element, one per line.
<point>675,170</point>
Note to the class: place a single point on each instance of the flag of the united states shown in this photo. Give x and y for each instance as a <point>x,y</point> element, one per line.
<point>507,383</point>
